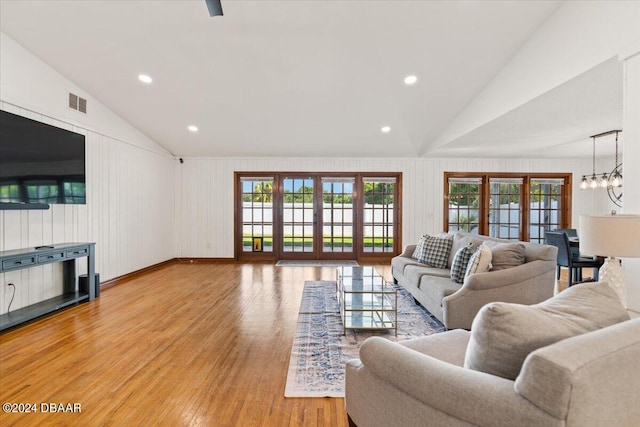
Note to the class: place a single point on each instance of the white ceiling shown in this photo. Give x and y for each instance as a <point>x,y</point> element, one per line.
<point>555,124</point>
<point>313,78</point>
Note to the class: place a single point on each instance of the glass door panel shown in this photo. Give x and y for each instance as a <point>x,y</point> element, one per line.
<point>337,215</point>
<point>298,215</point>
<point>545,207</point>
<point>378,214</point>
<point>505,199</point>
<point>257,214</point>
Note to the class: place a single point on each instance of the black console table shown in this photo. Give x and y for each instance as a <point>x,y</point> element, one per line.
<point>66,253</point>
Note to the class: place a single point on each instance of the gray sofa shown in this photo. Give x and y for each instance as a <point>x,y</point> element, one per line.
<point>566,377</point>
<point>456,304</point>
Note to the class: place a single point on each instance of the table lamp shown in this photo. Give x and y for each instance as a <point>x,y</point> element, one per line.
<point>611,236</point>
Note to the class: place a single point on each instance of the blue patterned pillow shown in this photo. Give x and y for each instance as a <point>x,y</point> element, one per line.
<point>433,251</point>
<point>460,262</point>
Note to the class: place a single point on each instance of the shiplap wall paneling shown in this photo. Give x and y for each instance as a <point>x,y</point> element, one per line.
<point>129,214</point>
<point>205,222</point>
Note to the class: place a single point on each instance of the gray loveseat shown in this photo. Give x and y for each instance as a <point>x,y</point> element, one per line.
<point>568,362</point>
<point>456,304</point>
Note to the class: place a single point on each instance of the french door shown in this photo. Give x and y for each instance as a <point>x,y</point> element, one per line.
<point>316,216</point>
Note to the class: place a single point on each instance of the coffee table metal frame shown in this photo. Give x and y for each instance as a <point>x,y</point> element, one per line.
<point>366,300</point>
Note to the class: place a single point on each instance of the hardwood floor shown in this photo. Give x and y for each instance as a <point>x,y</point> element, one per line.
<point>193,344</point>
<point>561,284</point>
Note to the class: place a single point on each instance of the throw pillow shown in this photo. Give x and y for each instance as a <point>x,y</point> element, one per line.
<point>461,240</point>
<point>433,251</point>
<point>460,262</point>
<point>480,261</point>
<point>503,334</point>
<point>506,255</point>
<point>420,248</point>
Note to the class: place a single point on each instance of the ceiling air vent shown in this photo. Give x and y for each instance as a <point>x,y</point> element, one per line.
<point>77,103</point>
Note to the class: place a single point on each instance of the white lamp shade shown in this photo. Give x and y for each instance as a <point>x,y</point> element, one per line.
<point>610,235</point>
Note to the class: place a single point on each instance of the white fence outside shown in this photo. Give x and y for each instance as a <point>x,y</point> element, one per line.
<point>510,214</point>
<point>257,218</point>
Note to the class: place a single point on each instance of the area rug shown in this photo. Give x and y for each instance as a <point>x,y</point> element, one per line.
<point>294,263</point>
<point>320,350</point>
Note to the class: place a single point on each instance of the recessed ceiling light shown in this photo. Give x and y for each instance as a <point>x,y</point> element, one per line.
<point>409,80</point>
<point>385,129</point>
<point>193,128</point>
<point>144,78</point>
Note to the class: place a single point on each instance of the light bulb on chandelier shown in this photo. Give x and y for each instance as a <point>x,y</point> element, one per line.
<point>616,180</point>
<point>604,181</point>
<point>583,183</point>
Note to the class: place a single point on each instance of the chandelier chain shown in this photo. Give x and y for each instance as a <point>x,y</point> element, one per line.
<point>594,157</point>
<point>616,165</point>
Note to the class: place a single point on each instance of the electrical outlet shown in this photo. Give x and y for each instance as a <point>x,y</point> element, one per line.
<point>7,288</point>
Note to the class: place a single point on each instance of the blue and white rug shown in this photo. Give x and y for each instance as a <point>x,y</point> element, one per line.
<point>320,350</point>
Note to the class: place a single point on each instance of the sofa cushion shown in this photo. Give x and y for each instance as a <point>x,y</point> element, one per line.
<point>460,240</point>
<point>506,255</point>
<point>434,251</point>
<point>460,262</point>
<point>503,334</point>
<point>413,273</point>
<point>480,261</point>
<point>399,263</point>
<point>436,288</point>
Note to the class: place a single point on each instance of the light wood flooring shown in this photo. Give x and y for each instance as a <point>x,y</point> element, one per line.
<point>561,284</point>
<point>190,344</point>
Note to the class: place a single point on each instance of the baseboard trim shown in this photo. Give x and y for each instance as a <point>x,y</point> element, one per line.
<point>202,260</point>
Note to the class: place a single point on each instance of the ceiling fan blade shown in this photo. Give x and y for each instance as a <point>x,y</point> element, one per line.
<point>215,7</point>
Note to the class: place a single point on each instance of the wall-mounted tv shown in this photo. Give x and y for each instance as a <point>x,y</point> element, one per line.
<point>40,164</point>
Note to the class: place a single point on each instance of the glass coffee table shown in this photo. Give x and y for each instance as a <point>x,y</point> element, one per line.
<point>366,300</point>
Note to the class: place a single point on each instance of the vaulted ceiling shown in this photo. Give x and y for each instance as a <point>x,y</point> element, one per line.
<point>313,78</point>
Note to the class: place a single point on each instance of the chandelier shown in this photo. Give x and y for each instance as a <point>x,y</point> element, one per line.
<point>605,180</point>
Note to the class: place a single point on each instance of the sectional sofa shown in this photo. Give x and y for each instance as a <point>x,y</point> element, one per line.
<point>571,361</point>
<point>518,272</point>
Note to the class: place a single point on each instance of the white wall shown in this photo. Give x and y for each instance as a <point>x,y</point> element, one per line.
<point>631,167</point>
<point>130,185</point>
<point>204,192</point>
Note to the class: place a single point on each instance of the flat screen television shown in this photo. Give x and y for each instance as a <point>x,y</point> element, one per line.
<point>40,164</point>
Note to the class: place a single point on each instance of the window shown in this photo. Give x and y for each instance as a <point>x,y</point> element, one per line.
<point>464,204</point>
<point>507,205</point>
